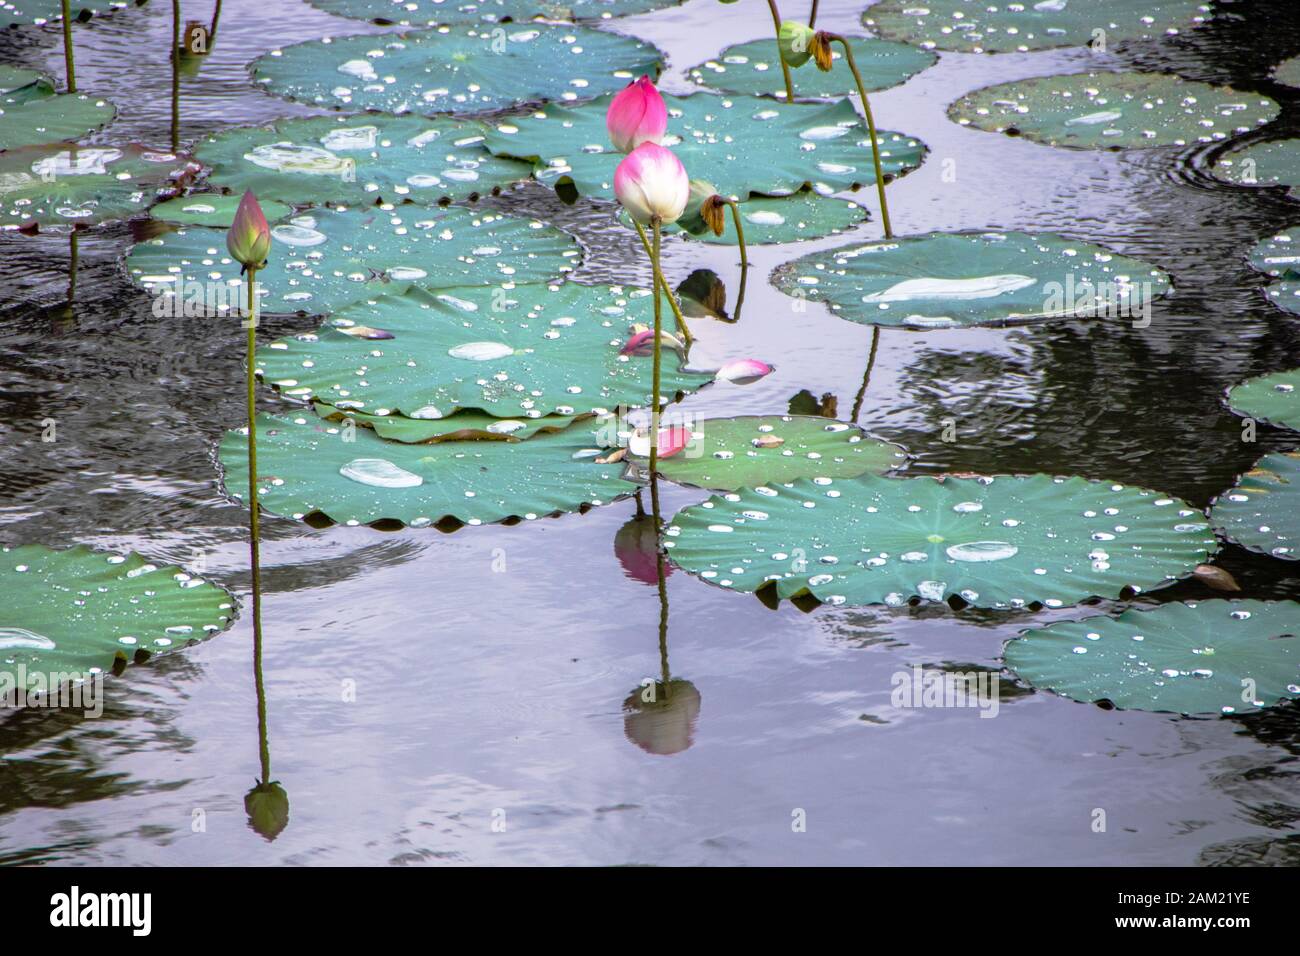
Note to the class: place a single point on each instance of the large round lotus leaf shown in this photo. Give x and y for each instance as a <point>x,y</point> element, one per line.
<point>359,159</point>
<point>755,68</point>
<point>17,12</point>
<point>1279,256</point>
<point>730,453</point>
<point>526,352</point>
<point>1273,163</point>
<point>469,424</point>
<point>306,467</point>
<point>429,12</point>
<point>213,209</point>
<point>462,69</point>
<point>84,185</point>
<point>326,259</point>
<point>978,26</point>
<point>82,612</point>
<point>1269,398</point>
<point>1288,72</point>
<point>1201,658</point>
<point>32,113</point>
<point>1114,110</point>
<point>944,280</point>
<point>740,144</point>
<point>773,219</point>
<point>1262,513</point>
<point>1004,542</point>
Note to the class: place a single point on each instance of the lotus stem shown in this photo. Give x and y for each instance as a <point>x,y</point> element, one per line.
<point>264,750</point>
<point>662,283</point>
<point>812,16</point>
<point>866,378</point>
<point>216,18</point>
<point>871,128</point>
<point>785,67</point>
<point>176,76</point>
<point>744,256</point>
<point>654,393</point>
<point>661,572</point>
<point>67,47</point>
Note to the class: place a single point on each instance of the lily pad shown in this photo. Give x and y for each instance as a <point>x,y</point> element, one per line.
<point>754,68</point>
<point>306,468</point>
<point>464,425</point>
<point>1288,72</point>
<point>33,113</point>
<point>1114,110</point>
<point>213,209</point>
<point>730,453</point>
<point>773,219</point>
<point>326,259</point>
<point>947,280</point>
<point>19,12</point>
<point>1262,513</point>
<point>1272,163</point>
<point>85,185</point>
<point>429,12</point>
<point>977,26</point>
<point>85,613</point>
<point>527,352</point>
<point>359,159</point>
<point>740,144</point>
<point>1279,256</point>
<point>1006,542</point>
<point>1270,398</point>
<point>462,69</point>
<point>1194,658</point>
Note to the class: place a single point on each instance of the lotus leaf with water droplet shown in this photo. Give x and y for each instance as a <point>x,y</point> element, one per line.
<point>470,424</point>
<point>214,210</point>
<point>1279,256</point>
<point>948,280</point>
<point>1114,110</point>
<point>33,113</point>
<point>774,219</point>
<point>1271,398</point>
<point>1007,542</point>
<point>19,12</point>
<point>1262,511</point>
<point>89,613</point>
<point>1272,163</point>
<point>1192,658</point>
<point>418,13</point>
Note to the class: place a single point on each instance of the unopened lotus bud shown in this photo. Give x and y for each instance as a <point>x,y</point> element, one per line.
<point>249,237</point>
<point>795,41</point>
<point>704,209</point>
<point>820,48</point>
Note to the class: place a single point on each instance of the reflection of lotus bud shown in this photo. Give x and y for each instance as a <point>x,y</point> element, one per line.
<point>795,41</point>
<point>661,720</point>
<point>636,545</point>
<point>704,210</point>
<point>651,182</point>
<point>249,236</point>
<point>820,48</point>
<point>636,115</point>
<point>268,809</point>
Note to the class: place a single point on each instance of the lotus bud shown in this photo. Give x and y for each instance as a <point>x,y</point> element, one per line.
<point>652,183</point>
<point>249,236</point>
<point>743,371</point>
<point>795,41</point>
<point>636,115</point>
<point>641,343</point>
<point>704,210</point>
<point>820,48</point>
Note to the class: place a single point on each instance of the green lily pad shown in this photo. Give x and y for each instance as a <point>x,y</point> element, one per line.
<point>33,113</point>
<point>326,259</point>
<point>1288,72</point>
<point>464,425</point>
<point>1279,256</point>
<point>419,13</point>
<point>527,352</point>
<point>306,468</point>
<point>754,68</point>
<point>1114,110</point>
<point>1272,163</point>
<point>213,210</point>
<point>20,12</point>
<point>85,612</point>
<point>359,159</point>
<point>977,26</point>
<point>740,144</point>
<point>1195,658</point>
<point>1269,398</point>
<point>772,219</point>
<point>730,453</point>
<point>1262,513</point>
<point>947,280</point>
<point>85,185</point>
<point>1005,542</point>
<point>462,69</point>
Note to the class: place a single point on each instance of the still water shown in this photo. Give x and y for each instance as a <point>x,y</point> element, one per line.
<point>491,665</point>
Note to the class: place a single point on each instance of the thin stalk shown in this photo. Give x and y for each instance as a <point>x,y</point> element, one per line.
<point>176,75</point>
<point>67,47</point>
<point>264,749</point>
<point>73,259</point>
<point>654,393</point>
<point>785,67</point>
<point>866,379</point>
<point>662,575</point>
<point>871,127</point>
<point>744,257</point>
<point>812,17</point>
<point>662,283</point>
<point>216,18</point>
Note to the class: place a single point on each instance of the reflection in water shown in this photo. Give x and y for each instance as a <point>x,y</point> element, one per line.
<point>704,296</point>
<point>866,376</point>
<point>636,545</point>
<point>803,402</point>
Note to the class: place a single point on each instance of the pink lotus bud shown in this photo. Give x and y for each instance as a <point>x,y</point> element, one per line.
<point>249,236</point>
<point>743,371</point>
<point>642,344</point>
<point>636,115</point>
<point>650,182</point>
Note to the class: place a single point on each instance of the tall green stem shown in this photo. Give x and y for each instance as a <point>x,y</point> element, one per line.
<point>216,18</point>
<point>67,47</point>
<point>871,128</point>
<point>654,393</point>
<point>662,283</point>
<point>744,257</point>
<point>254,529</point>
<point>785,67</point>
<point>176,75</point>
<point>812,16</point>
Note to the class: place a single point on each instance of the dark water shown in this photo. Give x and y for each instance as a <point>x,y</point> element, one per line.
<point>481,691</point>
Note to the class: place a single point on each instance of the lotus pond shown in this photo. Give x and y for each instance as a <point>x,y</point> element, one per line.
<point>1036,439</point>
